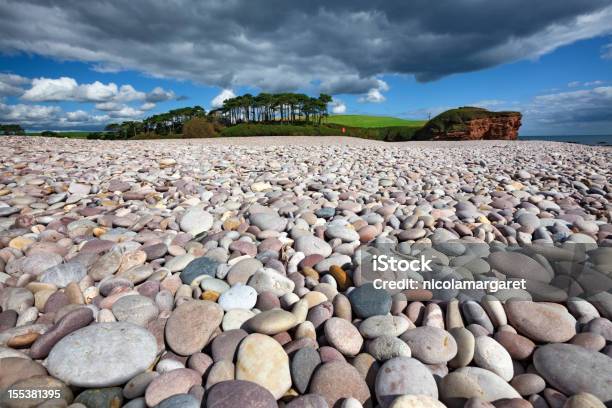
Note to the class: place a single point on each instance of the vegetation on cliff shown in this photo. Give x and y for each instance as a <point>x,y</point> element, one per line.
<point>458,120</point>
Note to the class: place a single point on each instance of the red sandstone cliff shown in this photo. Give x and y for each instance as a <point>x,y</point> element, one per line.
<point>469,123</point>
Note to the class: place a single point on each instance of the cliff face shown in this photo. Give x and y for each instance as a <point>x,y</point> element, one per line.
<point>469,123</point>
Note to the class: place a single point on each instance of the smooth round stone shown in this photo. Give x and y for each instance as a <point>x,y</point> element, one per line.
<point>517,265</point>
<point>34,264</point>
<point>583,400</point>
<point>270,280</point>
<point>268,221</point>
<point>272,322</point>
<point>238,296</point>
<point>528,384</point>
<point>337,380</point>
<point>106,265</point>
<point>63,274</point>
<point>198,267</point>
<point>404,376</point>
<point>196,221</point>
<point>430,345</point>
<point>200,362</point>
<point>342,232</point>
<point>102,355</point>
<point>180,401</point>
<point>343,336</point>
<point>572,369</point>
<point>470,382</point>
<point>137,386</point>
<point>384,348</point>
<point>386,325</point>
<point>13,369</point>
<point>17,299</point>
<point>38,383</point>
<point>191,324</point>
<point>416,401</point>
<point>303,365</point>
<point>215,285</point>
<point>173,382</point>
<point>135,309</point>
<point>519,347</point>
<point>238,393</point>
<point>311,245</point>
<point>236,318</point>
<point>100,397</point>
<point>541,322</point>
<point>242,270</point>
<point>308,401</point>
<point>367,301</point>
<point>466,344</point>
<point>262,360</point>
<point>178,263</point>
<point>492,356</point>
<point>224,346</point>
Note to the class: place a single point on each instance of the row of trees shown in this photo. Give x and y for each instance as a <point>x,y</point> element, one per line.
<point>11,129</point>
<point>167,123</point>
<point>282,107</point>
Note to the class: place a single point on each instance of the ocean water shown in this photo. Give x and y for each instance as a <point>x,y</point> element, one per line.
<point>595,140</point>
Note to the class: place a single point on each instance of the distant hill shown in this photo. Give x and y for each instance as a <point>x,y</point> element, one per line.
<point>370,121</point>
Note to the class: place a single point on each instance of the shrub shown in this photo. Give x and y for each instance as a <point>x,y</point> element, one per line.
<point>198,128</point>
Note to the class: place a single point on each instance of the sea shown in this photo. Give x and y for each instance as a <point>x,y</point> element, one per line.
<point>594,140</point>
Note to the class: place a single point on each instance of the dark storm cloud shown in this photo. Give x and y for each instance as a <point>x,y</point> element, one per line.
<point>336,46</point>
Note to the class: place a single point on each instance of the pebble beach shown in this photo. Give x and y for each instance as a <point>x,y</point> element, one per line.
<point>231,273</point>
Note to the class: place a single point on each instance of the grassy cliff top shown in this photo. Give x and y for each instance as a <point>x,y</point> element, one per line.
<point>456,119</point>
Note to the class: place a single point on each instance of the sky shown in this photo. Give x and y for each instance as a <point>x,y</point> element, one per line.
<point>81,65</point>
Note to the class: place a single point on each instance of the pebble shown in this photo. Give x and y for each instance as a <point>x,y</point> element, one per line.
<point>196,221</point>
<point>238,296</point>
<point>376,326</point>
<point>173,382</point>
<point>590,371</point>
<point>541,322</point>
<point>272,322</point>
<point>336,380</point>
<point>135,309</point>
<point>263,361</point>
<point>430,345</point>
<point>303,365</point>
<point>64,274</point>
<point>311,245</point>
<point>238,393</point>
<point>102,355</point>
<point>343,336</point>
<point>199,267</point>
<point>191,324</point>
<point>491,355</point>
<point>367,301</point>
<point>404,376</point>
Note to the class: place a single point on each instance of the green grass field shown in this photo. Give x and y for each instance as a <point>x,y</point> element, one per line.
<point>368,121</point>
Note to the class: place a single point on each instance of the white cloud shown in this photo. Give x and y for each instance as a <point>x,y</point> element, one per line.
<point>108,106</point>
<point>68,89</point>
<point>338,107</point>
<point>218,100</point>
<point>127,112</point>
<point>574,84</point>
<point>375,95</point>
<point>77,116</point>
<point>159,94</point>
<point>12,85</point>
<point>147,106</point>
<point>28,114</point>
